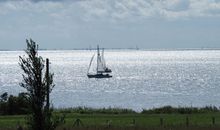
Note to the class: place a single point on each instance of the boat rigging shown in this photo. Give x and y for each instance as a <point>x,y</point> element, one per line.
<point>102,71</point>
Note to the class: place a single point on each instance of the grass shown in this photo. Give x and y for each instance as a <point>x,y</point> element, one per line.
<point>10,122</point>
<point>165,118</point>
<point>139,121</point>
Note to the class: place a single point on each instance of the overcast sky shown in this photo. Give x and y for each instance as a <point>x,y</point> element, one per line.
<point>150,24</point>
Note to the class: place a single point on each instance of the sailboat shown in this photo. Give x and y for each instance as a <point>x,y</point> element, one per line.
<point>101,70</point>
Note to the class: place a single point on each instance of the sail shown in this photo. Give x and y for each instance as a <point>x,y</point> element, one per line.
<point>91,62</point>
<point>100,68</point>
<point>99,64</point>
<point>103,60</point>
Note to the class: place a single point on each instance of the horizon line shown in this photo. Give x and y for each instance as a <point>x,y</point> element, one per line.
<point>129,48</point>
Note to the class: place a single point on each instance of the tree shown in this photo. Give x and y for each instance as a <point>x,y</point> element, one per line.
<point>3,103</point>
<point>13,105</point>
<point>36,83</point>
<point>4,97</point>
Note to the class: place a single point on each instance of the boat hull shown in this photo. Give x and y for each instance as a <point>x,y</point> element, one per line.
<point>107,70</point>
<point>99,76</point>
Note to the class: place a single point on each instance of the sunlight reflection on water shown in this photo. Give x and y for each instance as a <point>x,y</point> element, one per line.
<point>141,79</point>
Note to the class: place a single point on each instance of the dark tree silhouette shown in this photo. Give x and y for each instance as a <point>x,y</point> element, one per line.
<point>4,97</point>
<point>13,105</point>
<point>36,82</point>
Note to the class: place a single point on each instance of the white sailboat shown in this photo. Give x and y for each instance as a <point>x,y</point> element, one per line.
<point>101,69</point>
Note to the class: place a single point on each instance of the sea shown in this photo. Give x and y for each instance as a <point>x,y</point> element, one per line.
<point>142,79</point>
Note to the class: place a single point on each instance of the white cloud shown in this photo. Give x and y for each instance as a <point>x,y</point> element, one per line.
<point>113,10</point>
<point>113,21</point>
<point>169,9</point>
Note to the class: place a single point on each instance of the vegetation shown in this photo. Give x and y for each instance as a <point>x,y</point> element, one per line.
<point>126,121</point>
<point>161,110</point>
<point>163,118</point>
<point>9,103</point>
<point>181,110</point>
<point>38,86</point>
<point>13,105</point>
<point>86,110</point>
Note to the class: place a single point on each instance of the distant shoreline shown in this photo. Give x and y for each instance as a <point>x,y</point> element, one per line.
<point>140,49</point>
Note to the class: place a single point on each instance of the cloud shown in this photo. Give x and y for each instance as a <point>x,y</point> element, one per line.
<point>65,22</point>
<point>115,10</point>
<point>40,0</point>
<point>168,9</point>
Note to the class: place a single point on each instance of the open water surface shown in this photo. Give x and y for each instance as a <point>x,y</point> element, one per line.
<point>141,79</point>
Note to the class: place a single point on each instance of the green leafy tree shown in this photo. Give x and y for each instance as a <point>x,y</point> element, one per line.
<point>36,82</point>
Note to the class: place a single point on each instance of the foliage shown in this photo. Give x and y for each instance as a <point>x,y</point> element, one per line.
<point>36,84</point>
<point>180,110</point>
<point>87,110</point>
<point>11,105</point>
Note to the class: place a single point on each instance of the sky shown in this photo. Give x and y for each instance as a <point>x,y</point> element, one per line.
<point>148,24</point>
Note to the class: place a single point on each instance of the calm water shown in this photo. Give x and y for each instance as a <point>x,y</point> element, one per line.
<point>141,79</point>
